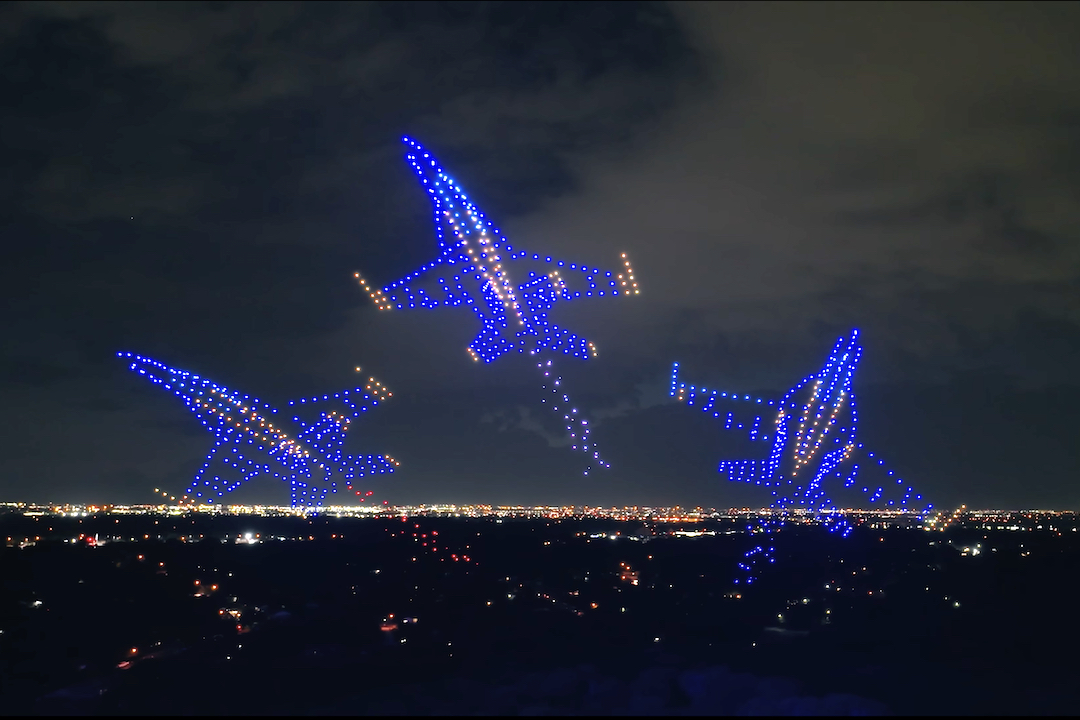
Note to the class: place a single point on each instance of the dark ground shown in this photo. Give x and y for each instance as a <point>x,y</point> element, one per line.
<point>124,628</point>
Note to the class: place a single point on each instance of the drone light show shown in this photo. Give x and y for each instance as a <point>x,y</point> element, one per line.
<point>472,270</point>
<point>811,438</point>
<point>250,441</point>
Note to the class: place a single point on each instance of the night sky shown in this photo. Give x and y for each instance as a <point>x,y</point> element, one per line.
<point>198,182</point>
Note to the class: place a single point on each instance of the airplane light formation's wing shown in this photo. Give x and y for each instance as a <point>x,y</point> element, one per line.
<point>810,434</point>
<point>249,443</point>
<point>473,250</point>
<point>473,269</point>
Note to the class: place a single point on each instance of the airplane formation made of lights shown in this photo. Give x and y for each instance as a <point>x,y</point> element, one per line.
<point>472,270</point>
<point>811,439</point>
<point>251,442</point>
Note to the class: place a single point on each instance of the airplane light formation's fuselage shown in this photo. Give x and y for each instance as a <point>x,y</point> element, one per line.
<point>472,271</point>
<point>310,460</point>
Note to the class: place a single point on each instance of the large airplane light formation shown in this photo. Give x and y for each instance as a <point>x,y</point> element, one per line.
<point>472,269</point>
<point>810,440</point>
<point>251,441</point>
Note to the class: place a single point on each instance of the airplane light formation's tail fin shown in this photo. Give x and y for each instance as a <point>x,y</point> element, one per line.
<point>327,434</point>
<point>312,458</point>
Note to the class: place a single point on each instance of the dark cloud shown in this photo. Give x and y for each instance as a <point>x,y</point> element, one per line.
<point>187,109</point>
<point>198,182</point>
<point>521,418</point>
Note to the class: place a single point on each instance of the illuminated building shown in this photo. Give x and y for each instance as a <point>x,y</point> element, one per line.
<point>473,270</point>
<point>250,441</point>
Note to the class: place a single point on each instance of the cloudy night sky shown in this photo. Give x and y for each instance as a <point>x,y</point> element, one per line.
<point>198,182</point>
